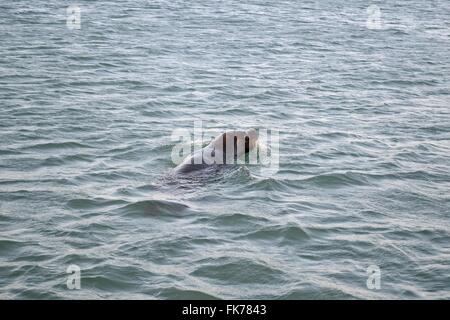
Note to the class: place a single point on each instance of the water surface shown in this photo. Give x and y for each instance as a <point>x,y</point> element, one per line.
<point>85,151</point>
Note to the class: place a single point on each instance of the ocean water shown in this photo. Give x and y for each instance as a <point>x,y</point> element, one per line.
<point>360,97</point>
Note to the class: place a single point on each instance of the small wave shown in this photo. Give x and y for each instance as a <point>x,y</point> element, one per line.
<point>338,179</point>
<point>158,113</point>
<point>149,208</point>
<point>115,277</point>
<point>62,160</point>
<point>267,184</point>
<point>7,245</point>
<point>36,294</point>
<point>394,83</point>
<point>108,284</point>
<point>308,293</point>
<point>4,152</point>
<point>56,145</point>
<point>237,173</point>
<point>162,148</point>
<point>93,203</point>
<point>183,294</point>
<point>280,233</point>
<point>238,271</point>
<point>338,135</point>
<point>238,219</point>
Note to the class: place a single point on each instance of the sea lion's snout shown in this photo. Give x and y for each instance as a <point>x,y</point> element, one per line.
<point>252,134</point>
<point>251,139</point>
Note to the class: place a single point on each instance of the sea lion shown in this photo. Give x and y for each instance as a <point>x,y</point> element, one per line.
<point>223,150</point>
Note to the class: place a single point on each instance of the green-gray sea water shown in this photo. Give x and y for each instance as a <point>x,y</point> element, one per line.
<point>360,96</point>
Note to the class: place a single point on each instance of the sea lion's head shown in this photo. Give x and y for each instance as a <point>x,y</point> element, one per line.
<point>236,143</point>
